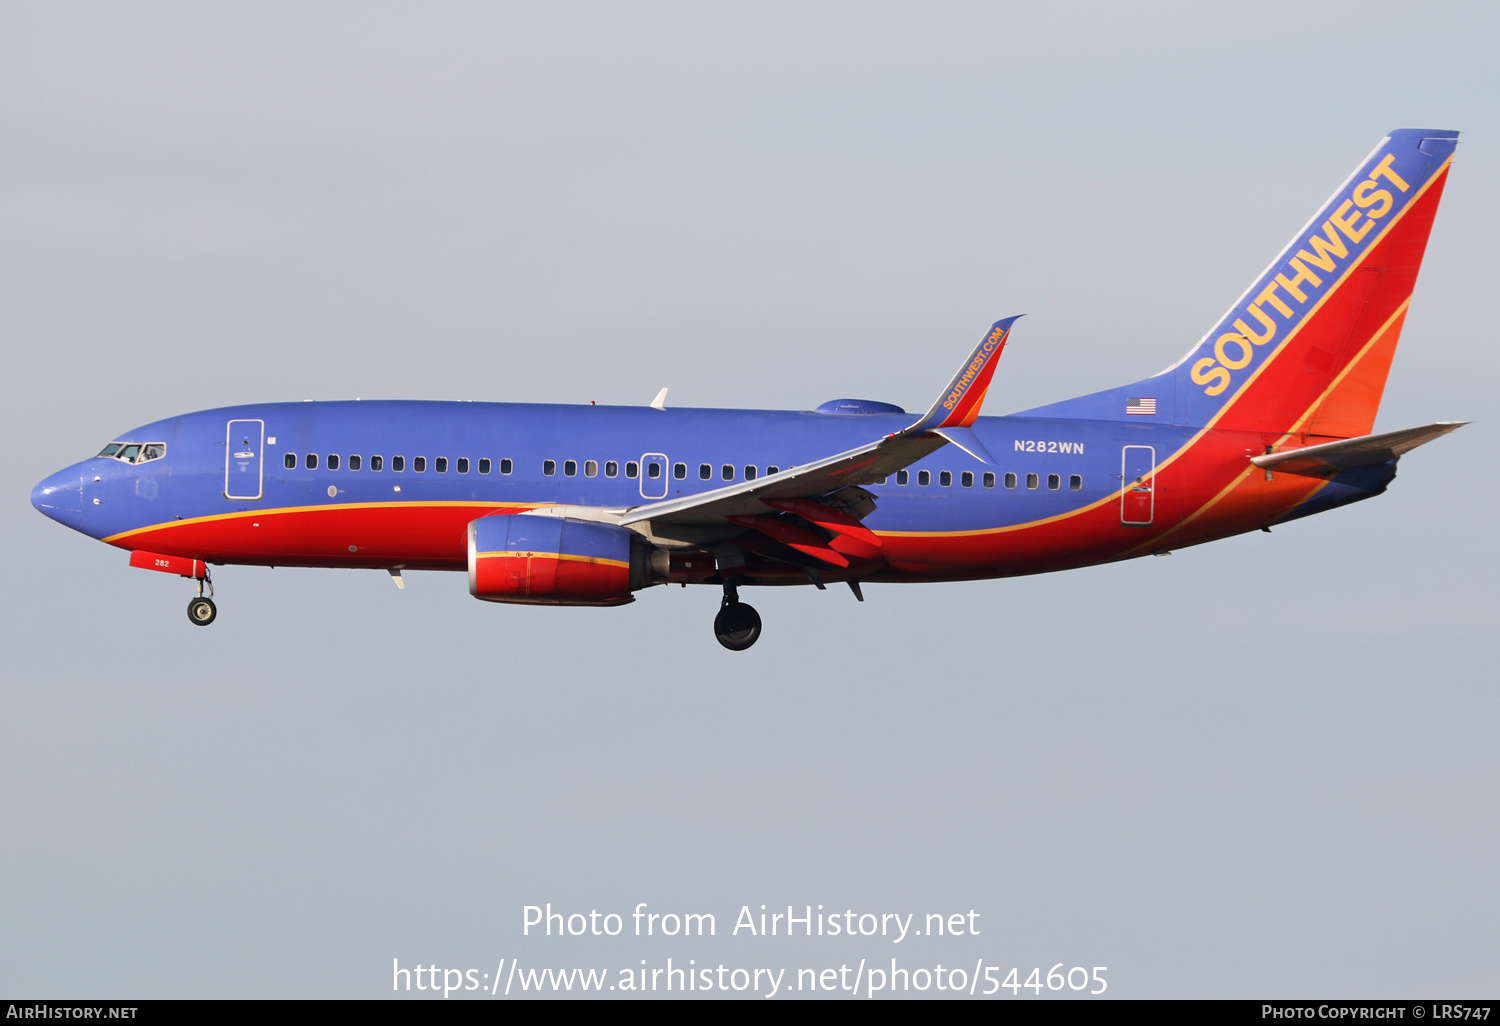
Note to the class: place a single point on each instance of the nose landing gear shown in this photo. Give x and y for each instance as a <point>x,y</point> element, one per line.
<point>201,610</point>
<point>738,624</point>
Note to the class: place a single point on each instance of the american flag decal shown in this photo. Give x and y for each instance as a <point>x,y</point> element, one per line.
<point>1146,407</point>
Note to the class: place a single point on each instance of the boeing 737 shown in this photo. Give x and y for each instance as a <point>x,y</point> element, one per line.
<point>1266,420</point>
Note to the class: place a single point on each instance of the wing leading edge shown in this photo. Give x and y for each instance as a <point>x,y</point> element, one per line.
<point>948,420</point>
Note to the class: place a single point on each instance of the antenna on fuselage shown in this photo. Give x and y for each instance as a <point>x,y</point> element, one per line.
<point>660,402</point>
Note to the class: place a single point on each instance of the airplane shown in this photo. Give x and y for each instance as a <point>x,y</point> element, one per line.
<point>1266,420</point>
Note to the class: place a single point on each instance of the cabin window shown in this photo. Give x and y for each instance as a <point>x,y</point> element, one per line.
<point>1075,483</point>
<point>705,471</point>
<point>966,479</point>
<point>1031,480</point>
<point>570,468</point>
<point>355,462</point>
<point>440,464</point>
<point>728,471</point>
<point>903,477</point>
<point>611,469</point>
<point>398,464</point>
<point>484,464</point>
<point>312,461</point>
<point>989,480</point>
<point>463,464</point>
<point>945,478</point>
<point>590,468</point>
<point>333,461</point>
<point>924,478</point>
<point>1010,480</point>
<point>377,462</point>
<point>419,464</point>
<point>773,470</point>
<point>549,467</point>
<point>632,469</point>
<point>653,470</point>
<point>506,466</point>
<point>1054,481</point>
<point>679,470</point>
<point>749,473</point>
<point>289,461</point>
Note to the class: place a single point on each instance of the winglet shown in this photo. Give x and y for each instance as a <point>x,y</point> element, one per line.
<point>660,402</point>
<point>958,406</point>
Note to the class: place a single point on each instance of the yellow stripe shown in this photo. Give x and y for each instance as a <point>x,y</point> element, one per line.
<point>331,507</point>
<point>555,555</point>
<point>1239,393</point>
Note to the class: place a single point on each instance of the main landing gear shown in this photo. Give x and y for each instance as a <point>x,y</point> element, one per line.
<point>201,610</point>
<point>738,625</point>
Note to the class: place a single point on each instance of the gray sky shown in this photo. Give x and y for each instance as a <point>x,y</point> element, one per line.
<point>1260,767</point>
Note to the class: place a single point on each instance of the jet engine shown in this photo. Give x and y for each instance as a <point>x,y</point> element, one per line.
<point>556,561</point>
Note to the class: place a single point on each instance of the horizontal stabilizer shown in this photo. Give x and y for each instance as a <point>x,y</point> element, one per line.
<point>1335,457</point>
<point>968,441</point>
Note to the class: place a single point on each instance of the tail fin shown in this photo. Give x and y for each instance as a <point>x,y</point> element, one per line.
<point>1307,348</point>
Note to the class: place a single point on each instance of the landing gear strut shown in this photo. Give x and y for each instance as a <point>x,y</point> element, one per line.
<point>201,610</point>
<point>738,625</point>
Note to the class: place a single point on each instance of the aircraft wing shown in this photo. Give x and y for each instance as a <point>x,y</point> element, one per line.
<point>949,420</point>
<point>1330,458</point>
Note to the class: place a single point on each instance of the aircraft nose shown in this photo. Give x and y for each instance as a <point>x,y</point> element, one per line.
<point>61,497</point>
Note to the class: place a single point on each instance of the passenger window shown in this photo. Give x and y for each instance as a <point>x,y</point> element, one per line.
<point>570,468</point>
<point>311,462</point>
<point>1031,480</point>
<point>653,470</point>
<point>1075,483</point>
<point>506,466</point>
<point>549,467</point>
<point>590,468</point>
<point>924,478</point>
<point>773,470</point>
<point>945,478</point>
<point>1010,480</point>
<point>632,469</point>
<point>111,448</point>
<point>1054,482</point>
<point>440,464</point>
<point>377,462</point>
<point>289,461</point>
<point>728,472</point>
<point>354,462</point>
<point>333,461</point>
<point>903,477</point>
<point>967,479</point>
<point>484,465</point>
<point>705,471</point>
<point>611,469</point>
<point>418,464</point>
<point>679,470</point>
<point>989,480</point>
<point>398,464</point>
<point>463,464</point>
<point>153,451</point>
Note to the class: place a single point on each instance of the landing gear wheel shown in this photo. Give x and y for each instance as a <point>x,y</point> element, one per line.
<point>737,626</point>
<point>202,611</point>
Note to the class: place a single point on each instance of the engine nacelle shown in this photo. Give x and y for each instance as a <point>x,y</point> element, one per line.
<point>554,561</point>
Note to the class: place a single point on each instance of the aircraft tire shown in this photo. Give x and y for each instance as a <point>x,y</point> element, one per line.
<point>737,626</point>
<point>202,611</point>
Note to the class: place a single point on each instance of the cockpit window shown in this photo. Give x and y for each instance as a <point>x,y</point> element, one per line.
<point>134,452</point>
